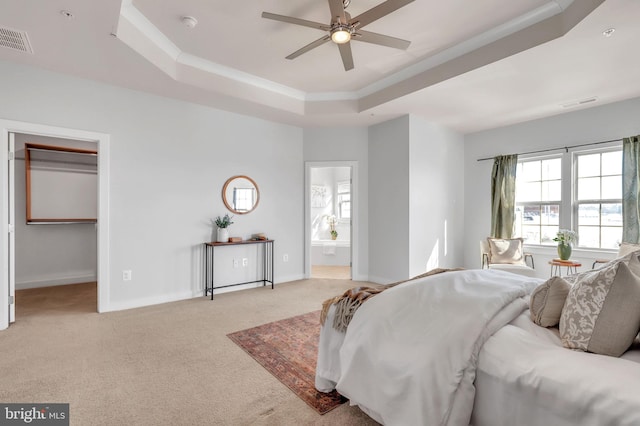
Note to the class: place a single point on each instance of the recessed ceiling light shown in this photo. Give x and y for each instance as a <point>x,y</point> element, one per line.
<point>189,21</point>
<point>66,14</point>
<point>609,32</point>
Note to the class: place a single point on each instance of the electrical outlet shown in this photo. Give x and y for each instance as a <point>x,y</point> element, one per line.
<point>245,261</point>
<point>126,275</point>
<point>285,257</point>
<point>236,263</point>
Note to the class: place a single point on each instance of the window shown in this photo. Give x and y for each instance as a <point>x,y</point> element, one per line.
<point>598,198</point>
<point>591,182</point>
<point>538,199</point>
<point>344,200</point>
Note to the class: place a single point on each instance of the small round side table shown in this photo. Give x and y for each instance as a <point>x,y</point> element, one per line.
<point>557,264</point>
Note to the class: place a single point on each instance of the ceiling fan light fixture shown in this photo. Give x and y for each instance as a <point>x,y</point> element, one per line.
<point>340,34</point>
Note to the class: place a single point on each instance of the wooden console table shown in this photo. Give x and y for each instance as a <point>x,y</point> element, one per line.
<point>209,264</point>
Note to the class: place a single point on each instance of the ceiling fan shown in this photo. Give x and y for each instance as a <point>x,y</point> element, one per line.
<point>343,28</point>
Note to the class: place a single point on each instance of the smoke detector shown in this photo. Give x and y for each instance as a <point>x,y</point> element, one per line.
<point>189,21</point>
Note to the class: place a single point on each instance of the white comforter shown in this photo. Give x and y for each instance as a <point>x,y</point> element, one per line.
<point>526,377</point>
<point>410,353</point>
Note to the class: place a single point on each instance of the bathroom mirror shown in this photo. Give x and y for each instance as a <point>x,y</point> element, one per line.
<point>240,194</point>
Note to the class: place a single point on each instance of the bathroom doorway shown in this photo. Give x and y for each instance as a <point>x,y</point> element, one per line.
<point>330,220</point>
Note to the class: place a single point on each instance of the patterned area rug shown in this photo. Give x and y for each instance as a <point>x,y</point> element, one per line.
<point>288,349</point>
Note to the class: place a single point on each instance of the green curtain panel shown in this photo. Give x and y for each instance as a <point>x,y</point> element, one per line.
<point>630,188</point>
<point>503,195</point>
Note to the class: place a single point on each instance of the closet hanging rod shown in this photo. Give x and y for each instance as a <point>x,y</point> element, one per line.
<point>61,151</point>
<point>566,148</point>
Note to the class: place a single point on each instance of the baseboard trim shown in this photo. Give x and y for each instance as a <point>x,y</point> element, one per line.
<point>356,277</point>
<point>289,278</point>
<point>49,281</point>
<point>153,300</point>
<point>380,280</point>
<point>191,294</point>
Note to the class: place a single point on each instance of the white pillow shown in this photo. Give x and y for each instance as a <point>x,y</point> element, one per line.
<point>506,250</point>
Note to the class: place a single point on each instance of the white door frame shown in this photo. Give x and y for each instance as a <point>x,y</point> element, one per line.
<point>11,217</point>
<point>102,139</point>
<point>355,195</point>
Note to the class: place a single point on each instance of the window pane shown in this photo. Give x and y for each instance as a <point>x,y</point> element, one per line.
<point>345,210</point>
<point>611,214</point>
<point>589,236</point>
<point>538,182</point>
<point>589,165</point>
<point>612,163</point>
<point>529,192</point>
<point>531,171</point>
<point>611,237</point>
<point>552,169</point>
<point>551,191</point>
<point>550,215</point>
<point>589,214</point>
<point>531,215</point>
<point>612,187</point>
<point>589,188</point>
<point>531,234</point>
<point>548,234</point>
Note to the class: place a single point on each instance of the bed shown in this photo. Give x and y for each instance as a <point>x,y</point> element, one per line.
<point>460,348</point>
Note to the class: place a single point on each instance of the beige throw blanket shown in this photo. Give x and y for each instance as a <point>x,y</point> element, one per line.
<point>348,303</point>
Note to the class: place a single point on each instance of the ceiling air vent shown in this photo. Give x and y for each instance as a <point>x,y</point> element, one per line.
<point>16,40</point>
<point>580,102</point>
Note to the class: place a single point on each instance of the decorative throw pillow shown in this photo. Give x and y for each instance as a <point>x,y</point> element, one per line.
<point>503,250</point>
<point>602,311</point>
<point>547,301</point>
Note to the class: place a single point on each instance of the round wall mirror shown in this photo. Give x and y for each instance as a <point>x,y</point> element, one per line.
<point>240,194</point>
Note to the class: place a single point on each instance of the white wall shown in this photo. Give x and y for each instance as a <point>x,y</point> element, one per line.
<point>389,200</point>
<point>169,161</point>
<point>346,144</point>
<point>51,254</point>
<point>437,197</point>
<point>590,125</point>
<point>416,198</point>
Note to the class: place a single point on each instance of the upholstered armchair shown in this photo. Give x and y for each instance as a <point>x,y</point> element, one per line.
<point>507,255</point>
<point>623,250</point>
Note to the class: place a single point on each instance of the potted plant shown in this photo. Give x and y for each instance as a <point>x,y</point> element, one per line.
<point>564,238</point>
<point>223,223</point>
<point>331,220</point>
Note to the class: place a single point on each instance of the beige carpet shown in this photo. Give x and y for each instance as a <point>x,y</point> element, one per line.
<point>169,364</point>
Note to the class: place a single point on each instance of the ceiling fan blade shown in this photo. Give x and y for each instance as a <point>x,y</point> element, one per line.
<point>337,11</point>
<point>375,38</point>
<point>308,47</point>
<point>347,57</point>
<point>379,11</point>
<point>296,21</point>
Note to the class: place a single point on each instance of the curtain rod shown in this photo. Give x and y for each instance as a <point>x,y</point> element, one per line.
<point>566,148</point>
